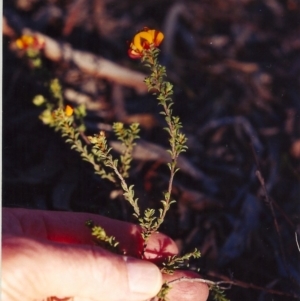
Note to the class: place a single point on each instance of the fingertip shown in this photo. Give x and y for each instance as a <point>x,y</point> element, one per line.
<point>159,247</point>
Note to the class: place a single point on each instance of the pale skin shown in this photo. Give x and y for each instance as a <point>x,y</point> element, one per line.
<point>48,254</point>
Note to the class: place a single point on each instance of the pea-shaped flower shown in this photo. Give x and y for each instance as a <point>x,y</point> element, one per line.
<point>143,40</point>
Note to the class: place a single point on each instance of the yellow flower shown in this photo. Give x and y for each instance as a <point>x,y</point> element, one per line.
<point>69,111</point>
<point>142,40</point>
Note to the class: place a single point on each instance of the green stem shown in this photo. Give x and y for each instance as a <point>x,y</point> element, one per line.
<point>164,90</point>
<point>128,193</point>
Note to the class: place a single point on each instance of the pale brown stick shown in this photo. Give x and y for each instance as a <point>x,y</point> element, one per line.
<point>296,237</point>
<point>85,61</point>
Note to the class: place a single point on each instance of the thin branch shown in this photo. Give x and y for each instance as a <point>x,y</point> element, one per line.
<point>271,205</point>
<point>296,237</point>
<point>205,281</point>
<point>251,286</point>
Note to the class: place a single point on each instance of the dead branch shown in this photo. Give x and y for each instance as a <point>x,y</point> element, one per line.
<point>85,61</point>
<point>297,241</point>
<point>146,151</point>
<point>251,285</point>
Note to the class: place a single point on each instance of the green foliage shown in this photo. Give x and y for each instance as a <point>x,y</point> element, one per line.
<point>127,136</point>
<point>95,150</point>
<point>217,293</point>
<point>148,222</point>
<point>163,293</point>
<point>163,90</point>
<point>80,113</point>
<point>102,239</point>
<point>56,90</point>
<point>34,57</point>
<point>175,262</point>
<point>38,100</point>
<point>65,124</point>
<point>101,151</point>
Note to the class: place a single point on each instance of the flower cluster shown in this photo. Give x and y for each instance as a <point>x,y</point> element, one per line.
<point>143,40</point>
<point>31,46</point>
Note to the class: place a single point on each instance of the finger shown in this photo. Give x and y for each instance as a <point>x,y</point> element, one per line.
<point>58,226</point>
<point>69,227</point>
<point>186,291</point>
<point>34,270</point>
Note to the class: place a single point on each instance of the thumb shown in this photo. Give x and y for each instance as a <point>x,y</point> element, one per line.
<point>34,269</point>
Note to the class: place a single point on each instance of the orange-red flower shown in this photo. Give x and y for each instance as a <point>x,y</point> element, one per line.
<point>69,111</point>
<point>142,40</point>
<point>33,42</point>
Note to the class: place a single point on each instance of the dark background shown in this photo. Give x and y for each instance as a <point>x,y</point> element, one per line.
<point>235,66</point>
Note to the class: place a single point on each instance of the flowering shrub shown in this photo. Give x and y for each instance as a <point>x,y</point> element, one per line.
<point>94,149</point>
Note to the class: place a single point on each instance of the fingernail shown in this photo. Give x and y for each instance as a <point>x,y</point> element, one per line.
<point>145,279</point>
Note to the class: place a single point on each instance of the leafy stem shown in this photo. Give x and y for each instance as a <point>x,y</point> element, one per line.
<point>127,136</point>
<point>175,261</point>
<point>163,90</point>
<point>60,121</point>
<point>102,152</point>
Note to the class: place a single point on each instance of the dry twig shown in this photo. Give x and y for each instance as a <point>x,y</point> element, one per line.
<point>85,61</point>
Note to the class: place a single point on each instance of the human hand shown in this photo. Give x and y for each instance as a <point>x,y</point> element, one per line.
<point>48,253</point>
